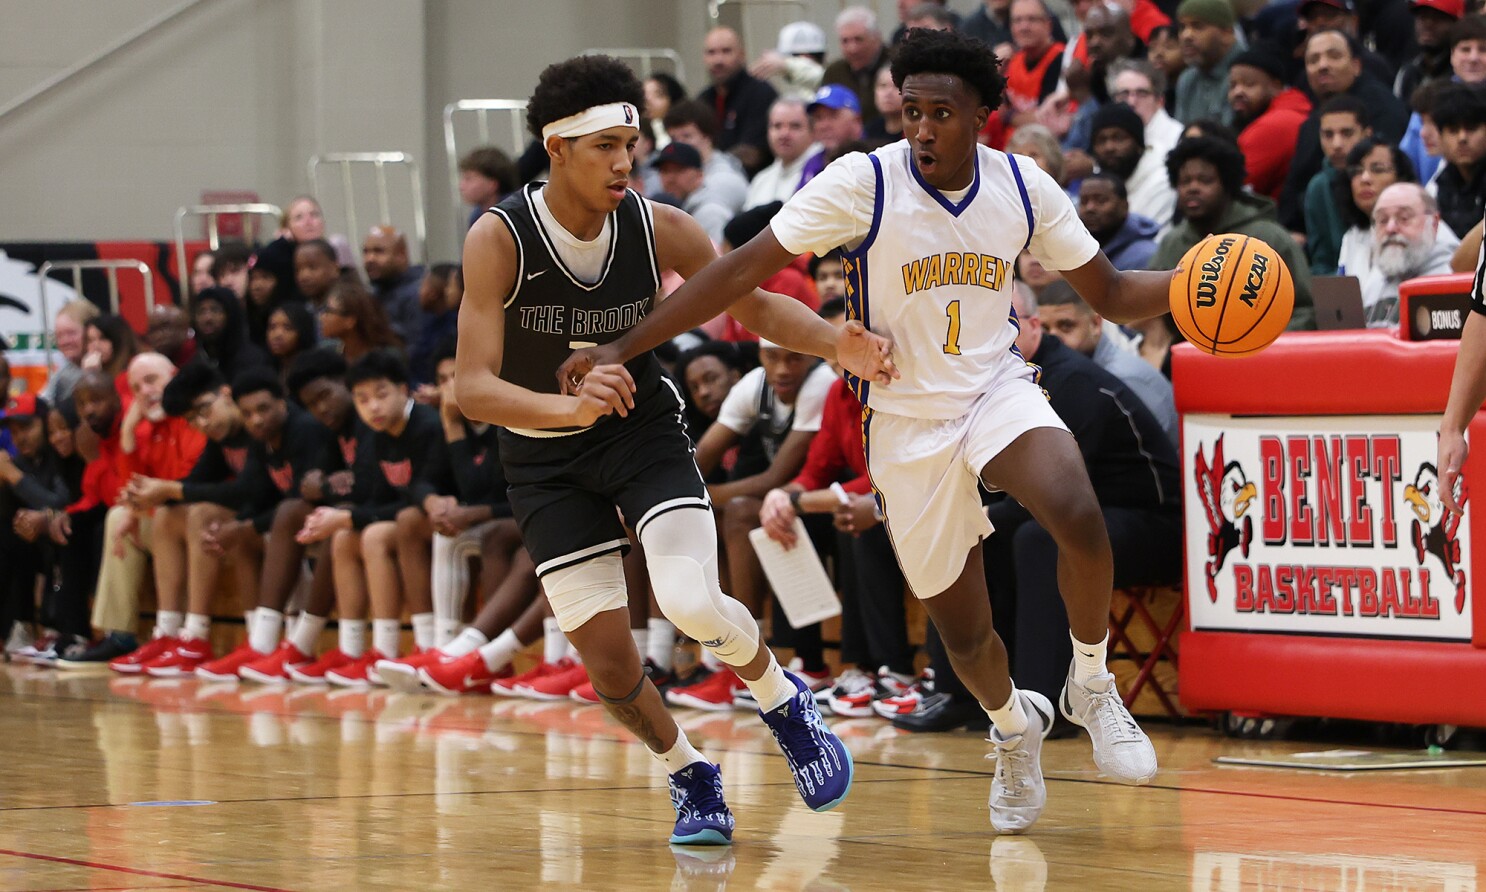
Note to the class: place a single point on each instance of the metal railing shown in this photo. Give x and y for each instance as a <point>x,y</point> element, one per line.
<point>77,267</point>
<point>515,114</point>
<point>378,162</point>
<point>647,57</point>
<point>212,212</point>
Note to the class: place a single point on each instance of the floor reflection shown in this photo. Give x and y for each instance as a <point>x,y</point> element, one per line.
<point>348,790</point>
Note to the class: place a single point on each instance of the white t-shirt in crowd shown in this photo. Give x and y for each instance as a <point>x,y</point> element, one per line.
<point>740,409</point>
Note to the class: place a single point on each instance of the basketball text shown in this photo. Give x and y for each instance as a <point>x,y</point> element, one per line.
<point>1212,271</point>
<point>1257,271</point>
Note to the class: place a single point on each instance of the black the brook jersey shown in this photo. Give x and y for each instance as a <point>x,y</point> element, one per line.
<point>550,312</point>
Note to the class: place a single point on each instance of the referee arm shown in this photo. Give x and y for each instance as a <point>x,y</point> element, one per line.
<point>1467,392</point>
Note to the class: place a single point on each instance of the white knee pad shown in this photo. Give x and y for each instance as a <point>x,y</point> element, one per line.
<point>681,552</point>
<point>581,592</point>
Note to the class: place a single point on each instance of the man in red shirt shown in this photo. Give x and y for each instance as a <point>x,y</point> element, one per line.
<point>1032,74</point>
<point>1269,115</point>
<point>129,442</point>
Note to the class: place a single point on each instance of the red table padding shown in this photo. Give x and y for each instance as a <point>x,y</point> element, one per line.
<point>1416,682</point>
<point>1335,373</point>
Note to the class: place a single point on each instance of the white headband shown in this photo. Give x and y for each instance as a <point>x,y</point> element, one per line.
<point>592,120</point>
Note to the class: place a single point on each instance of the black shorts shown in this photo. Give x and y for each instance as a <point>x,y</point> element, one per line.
<point>564,490</point>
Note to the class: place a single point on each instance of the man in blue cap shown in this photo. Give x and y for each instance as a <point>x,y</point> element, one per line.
<point>836,121</point>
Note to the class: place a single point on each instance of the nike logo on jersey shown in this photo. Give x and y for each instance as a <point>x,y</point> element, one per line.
<point>530,276</point>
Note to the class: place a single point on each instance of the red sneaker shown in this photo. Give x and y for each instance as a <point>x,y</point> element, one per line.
<point>274,668</point>
<point>359,673</point>
<point>584,693</point>
<point>132,663</point>
<point>556,686</point>
<point>506,687</point>
<point>226,668</point>
<point>314,672</point>
<point>460,675</point>
<point>402,674</point>
<point>181,660</point>
<point>713,694</point>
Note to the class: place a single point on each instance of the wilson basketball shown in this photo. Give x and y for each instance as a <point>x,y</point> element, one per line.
<point>1232,295</point>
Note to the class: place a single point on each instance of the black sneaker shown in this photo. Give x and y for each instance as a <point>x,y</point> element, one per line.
<point>663,679</point>
<point>110,647</point>
<point>942,712</point>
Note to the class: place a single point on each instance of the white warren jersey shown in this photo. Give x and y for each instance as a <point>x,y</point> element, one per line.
<point>934,272</point>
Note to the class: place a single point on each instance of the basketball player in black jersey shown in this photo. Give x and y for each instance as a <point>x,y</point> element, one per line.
<point>576,262</point>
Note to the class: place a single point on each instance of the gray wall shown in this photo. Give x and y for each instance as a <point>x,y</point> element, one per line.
<point>238,94</point>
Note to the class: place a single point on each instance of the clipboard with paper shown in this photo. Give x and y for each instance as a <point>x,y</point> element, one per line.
<point>797,577</point>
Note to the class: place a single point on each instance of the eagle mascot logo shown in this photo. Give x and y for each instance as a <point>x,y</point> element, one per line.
<point>1434,528</point>
<point>1226,496</point>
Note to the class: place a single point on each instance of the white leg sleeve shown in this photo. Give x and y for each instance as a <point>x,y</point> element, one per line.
<point>681,552</point>
<point>451,572</point>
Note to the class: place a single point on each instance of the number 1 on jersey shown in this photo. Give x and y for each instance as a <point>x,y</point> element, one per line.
<point>952,339</point>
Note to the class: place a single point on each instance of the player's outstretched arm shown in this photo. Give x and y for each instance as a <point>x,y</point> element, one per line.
<point>489,274</point>
<point>1128,296</point>
<point>1467,392</point>
<point>730,283</point>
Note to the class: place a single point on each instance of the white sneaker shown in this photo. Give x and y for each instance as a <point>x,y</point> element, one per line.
<point>1018,792</point>
<point>1121,749</point>
<point>20,639</point>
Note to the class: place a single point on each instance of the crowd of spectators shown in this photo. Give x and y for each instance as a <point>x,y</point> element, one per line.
<point>296,416</point>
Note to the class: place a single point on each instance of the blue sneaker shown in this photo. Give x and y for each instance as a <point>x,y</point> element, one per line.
<point>820,762</point>
<point>702,817</point>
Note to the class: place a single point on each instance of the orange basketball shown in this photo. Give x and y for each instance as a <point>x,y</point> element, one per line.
<point>1232,295</point>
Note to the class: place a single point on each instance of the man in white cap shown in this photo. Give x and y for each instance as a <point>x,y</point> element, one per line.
<point>795,66</point>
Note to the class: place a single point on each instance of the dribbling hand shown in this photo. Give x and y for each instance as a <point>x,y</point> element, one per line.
<point>868,356</point>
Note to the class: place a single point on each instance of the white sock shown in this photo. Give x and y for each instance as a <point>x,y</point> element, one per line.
<point>1009,719</point>
<point>499,652</point>
<point>642,640</point>
<point>307,631</point>
<point>353,637</point>
<point>661,649</point>
<point>1088,659</point>
<point>268,625</point>
<point>680,755</point>
<point>197,626</point>
<point>385,637</point>
<point>446,629</point>
<point>168,623</point>
<point>772,689</point>
<point>554,642</point>
<point>423,631</point>
<point>711,662</point>
<point>471,639</point>
<point>249,618</point>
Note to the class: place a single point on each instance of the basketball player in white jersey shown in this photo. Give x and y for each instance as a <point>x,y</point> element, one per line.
<point>575,262</point>
<point>931,228</point>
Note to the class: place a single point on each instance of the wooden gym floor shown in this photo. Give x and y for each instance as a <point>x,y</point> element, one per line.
<point>115,784</point>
